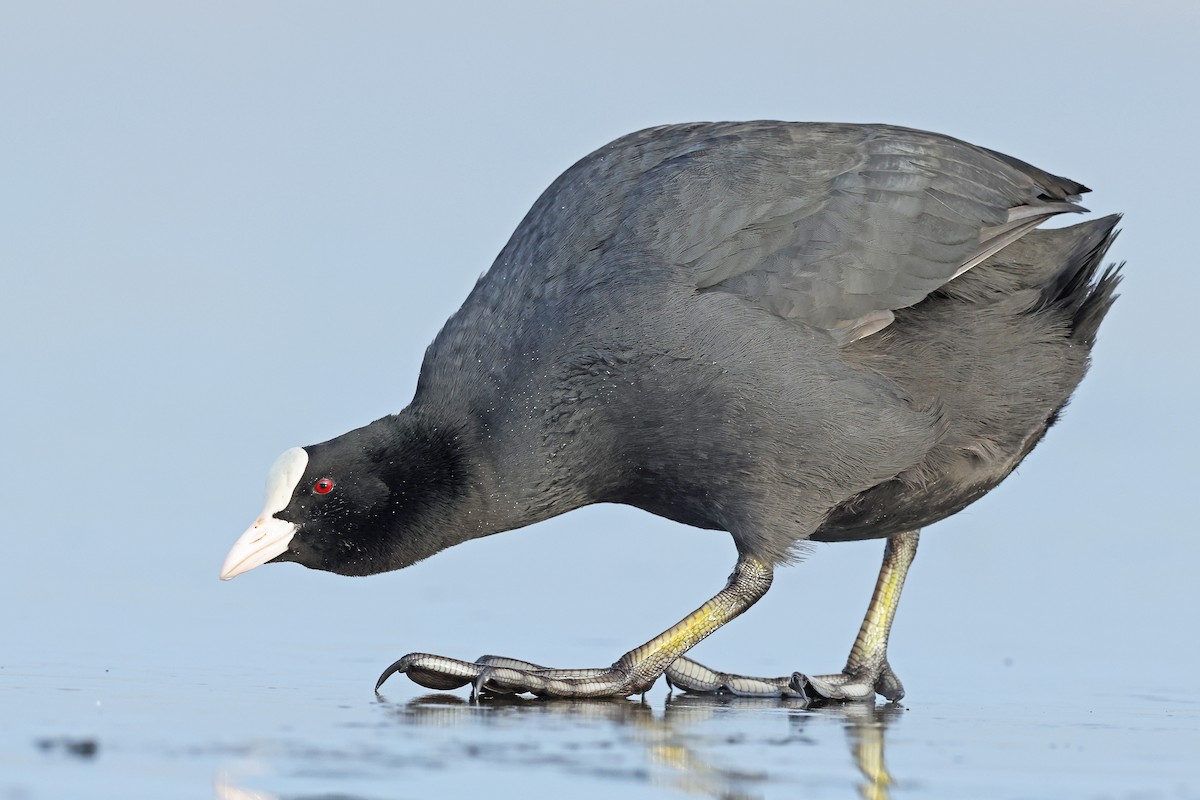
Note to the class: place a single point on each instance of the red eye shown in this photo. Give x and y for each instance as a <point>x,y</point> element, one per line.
<point>323,486</point>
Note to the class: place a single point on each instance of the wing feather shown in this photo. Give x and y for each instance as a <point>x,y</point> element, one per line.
<point>834,226</point>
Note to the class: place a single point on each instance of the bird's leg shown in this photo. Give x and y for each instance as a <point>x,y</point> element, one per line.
<point>867,671</point>
<point>633,673</point>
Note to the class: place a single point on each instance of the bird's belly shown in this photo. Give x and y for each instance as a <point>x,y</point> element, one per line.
<point>901,505</point>
<point>890,509</point>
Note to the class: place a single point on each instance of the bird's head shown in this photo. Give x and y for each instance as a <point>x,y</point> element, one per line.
<point>375,499</point>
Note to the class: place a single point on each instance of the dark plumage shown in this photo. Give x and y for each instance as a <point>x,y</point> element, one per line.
<point>786,331</point>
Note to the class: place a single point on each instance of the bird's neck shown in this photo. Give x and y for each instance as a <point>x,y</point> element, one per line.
<point>484,477</point>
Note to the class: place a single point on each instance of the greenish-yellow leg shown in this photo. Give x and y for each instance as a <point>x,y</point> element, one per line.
<point>633,673</point>
<point>867,671</point>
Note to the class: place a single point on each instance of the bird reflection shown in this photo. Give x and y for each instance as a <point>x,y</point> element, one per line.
<point>866,732</point>
<point>677,760</point>
<point>673,743</point>
<point>865,725</point>
<point>679,749</point>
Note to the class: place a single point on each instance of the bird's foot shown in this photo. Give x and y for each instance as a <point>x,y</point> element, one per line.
<point>490,675</point>
<point>861,684</point>
<point>633,673</point>
<point>858,684</point>
<point>695,678</point>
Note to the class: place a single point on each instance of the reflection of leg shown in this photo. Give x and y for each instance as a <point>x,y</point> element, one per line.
<point>866,730</point>
<point>634,672</point>
<point>867,746</point>
<point>867,670</point>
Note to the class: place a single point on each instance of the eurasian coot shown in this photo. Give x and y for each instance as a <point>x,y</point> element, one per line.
<point>786,331</point>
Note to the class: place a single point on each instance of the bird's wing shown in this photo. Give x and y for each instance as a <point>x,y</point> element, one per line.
<point>835,226</point>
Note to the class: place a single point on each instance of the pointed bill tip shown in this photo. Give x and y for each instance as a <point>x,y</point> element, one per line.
<point>263,541</point>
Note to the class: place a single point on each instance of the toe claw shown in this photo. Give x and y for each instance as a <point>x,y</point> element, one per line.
<point>477,685</point>
<point>393,668</point>
<point>803,685</point>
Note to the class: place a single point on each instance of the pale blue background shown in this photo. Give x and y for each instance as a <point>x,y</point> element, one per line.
<point>227,229</point>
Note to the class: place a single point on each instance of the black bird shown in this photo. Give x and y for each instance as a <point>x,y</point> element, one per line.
<point>787,331</point>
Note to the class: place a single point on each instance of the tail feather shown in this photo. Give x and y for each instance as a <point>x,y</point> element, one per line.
<point>1058,263</point>
<point>1090,313</point>
<point>1075,289</point>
